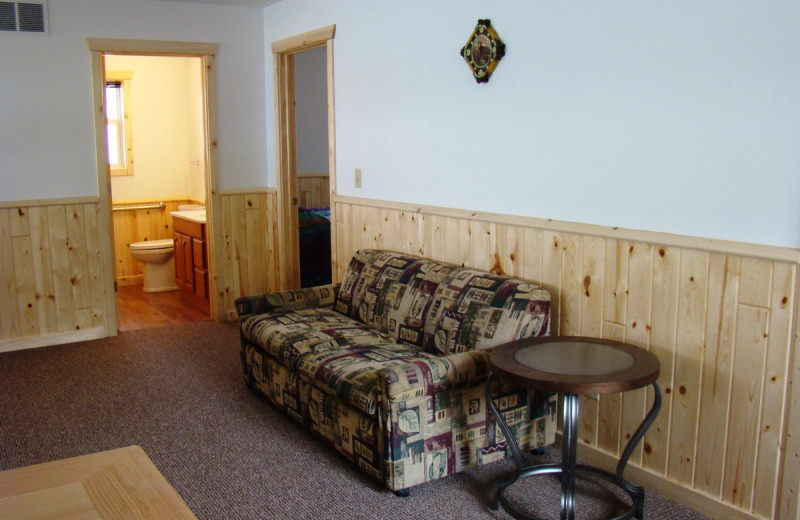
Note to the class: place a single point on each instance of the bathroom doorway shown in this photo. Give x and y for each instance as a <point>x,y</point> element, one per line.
<point>154,108</point>
<point>174,165</point>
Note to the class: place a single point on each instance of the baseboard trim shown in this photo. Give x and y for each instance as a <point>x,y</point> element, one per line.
<point>136,279</point>
<point>681,494</point>
<point>48,340</point>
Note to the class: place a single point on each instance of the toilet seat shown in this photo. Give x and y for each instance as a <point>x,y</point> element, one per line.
<point>148,245</point>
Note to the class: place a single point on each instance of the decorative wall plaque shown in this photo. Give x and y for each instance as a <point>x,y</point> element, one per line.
<point>483,51</point>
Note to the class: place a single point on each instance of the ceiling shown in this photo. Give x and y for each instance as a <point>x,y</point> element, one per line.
<point>245,3</point>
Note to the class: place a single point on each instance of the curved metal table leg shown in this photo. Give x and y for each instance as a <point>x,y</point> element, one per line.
<point>502,484</point>
<point>569,468</point>
<point>637,492</point>
<point>569,449</point>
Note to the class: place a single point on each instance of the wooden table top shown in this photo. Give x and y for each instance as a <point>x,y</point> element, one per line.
<point>575,364</point>
<point>112,485</point>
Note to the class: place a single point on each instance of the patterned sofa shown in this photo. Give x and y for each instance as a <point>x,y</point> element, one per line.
<point>390,366</point>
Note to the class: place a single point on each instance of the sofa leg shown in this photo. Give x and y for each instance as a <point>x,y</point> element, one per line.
<point>403,492</point>
<point>249,380</point>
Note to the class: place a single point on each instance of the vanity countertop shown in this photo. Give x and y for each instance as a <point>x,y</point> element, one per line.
<point>193,215</point>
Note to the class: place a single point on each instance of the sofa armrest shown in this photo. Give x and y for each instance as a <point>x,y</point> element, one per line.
<point>431,374</point>
<point>298,299</point>
<point>437,422</point>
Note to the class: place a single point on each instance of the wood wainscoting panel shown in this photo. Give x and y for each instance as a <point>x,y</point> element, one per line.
<point>249,246</point>
<point>51,277</point>
<point>721,317</point>
<point>313,190</point>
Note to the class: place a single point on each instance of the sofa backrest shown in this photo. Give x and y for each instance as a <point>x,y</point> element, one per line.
<point>439,307</point>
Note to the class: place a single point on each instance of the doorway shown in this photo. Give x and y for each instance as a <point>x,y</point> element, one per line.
<point>154,108</point>
<point>284,52</point>
<point>313,181</point>
<point>204,57</point>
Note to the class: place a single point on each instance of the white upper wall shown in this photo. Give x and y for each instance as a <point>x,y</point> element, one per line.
<point>680,117</point>
<point>47,142</point>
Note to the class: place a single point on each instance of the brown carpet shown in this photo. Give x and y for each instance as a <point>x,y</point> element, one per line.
<point>178,393</point>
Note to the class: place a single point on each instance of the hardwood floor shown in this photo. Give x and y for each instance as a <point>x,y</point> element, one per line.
<point>141,310</point>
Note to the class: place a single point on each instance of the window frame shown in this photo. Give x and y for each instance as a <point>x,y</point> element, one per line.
<point>123,78</point>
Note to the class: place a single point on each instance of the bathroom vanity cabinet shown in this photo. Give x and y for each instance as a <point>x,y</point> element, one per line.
<point>191,261</point>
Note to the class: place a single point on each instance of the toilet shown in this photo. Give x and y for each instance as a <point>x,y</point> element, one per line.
<point>159,264</point>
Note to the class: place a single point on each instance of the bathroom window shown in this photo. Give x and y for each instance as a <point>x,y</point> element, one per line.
<point>119,124</point>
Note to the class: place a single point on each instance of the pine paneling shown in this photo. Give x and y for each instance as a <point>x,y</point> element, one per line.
<point>249,247</point>
<point>313,190</point>
<point>720,318</point>
<point>50,274</point>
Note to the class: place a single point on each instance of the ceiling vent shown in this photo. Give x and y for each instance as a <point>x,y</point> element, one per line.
<point>24,17</point>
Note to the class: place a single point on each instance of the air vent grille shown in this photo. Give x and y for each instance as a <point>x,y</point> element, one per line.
<point>24,17</point>
<point>8,16</point>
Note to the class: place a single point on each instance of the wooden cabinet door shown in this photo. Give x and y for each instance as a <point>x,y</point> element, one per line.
<point>184,270</point>
<point>180,265</point>
<point>191,262</point>
<point>186,245</point>
<point>200,268</point>
<point>199,253</point>
<point>201,283</point>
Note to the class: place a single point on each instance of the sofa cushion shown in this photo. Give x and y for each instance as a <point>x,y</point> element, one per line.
<point>440,308</point>
<point>289,335</point>
<point>351,372</point>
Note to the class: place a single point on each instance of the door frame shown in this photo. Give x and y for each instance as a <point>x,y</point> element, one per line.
<point>283,52</point>
<point>207,53</point>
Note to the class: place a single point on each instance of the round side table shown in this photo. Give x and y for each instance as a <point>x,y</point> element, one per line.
<point>572,366</point>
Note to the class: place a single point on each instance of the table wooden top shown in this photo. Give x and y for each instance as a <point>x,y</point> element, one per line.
<point>112,485</point>
<point>575,364</point>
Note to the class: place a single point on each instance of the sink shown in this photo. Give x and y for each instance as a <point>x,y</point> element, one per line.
<point>194,215</point>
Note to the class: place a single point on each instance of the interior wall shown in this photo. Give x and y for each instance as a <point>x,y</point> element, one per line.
<point>676,117</point>
<point>167,115</point>
<point>47,141</point>
<point>311,110</point>
<point>720,317</point>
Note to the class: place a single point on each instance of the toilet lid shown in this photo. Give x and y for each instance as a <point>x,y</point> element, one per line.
<point>151,244</point>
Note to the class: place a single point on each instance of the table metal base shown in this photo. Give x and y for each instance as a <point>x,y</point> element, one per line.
<point>569,469</point>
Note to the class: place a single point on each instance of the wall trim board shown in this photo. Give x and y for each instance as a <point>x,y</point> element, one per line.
<point>789,483</point>
<point>766,252</point>
<point>48,340</point>
<point>283,53</point>
<point>638,476</point>
<point>48,202</point>
<point>206,52</point>
<point>305,41</point>
<point>151,47</point>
